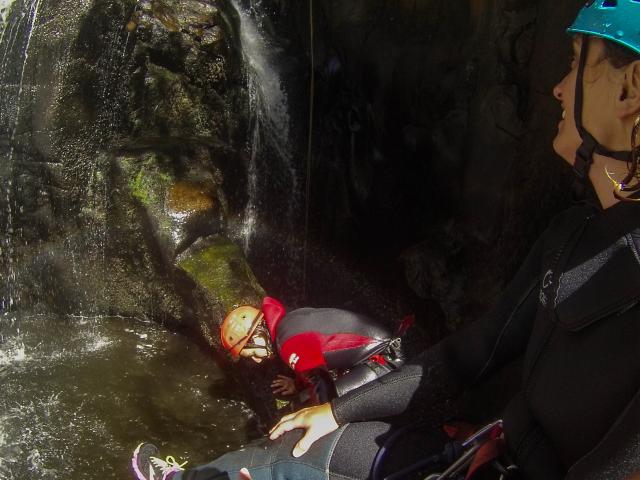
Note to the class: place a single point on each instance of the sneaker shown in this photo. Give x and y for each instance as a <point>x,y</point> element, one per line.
<point>148,466</point>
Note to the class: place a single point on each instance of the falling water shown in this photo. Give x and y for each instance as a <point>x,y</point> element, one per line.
<point>10,117</point>
<point>5,6</point>
<point>269,111</point>
<point>33,16</point>
<point>112,64</point>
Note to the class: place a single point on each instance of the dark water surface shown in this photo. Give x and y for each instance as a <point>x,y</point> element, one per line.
<point>79,393</point>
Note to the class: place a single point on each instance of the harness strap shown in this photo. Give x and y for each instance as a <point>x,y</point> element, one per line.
<point>487,453</point>
<point>405,324</point>
<point>589,145</point>
<point>485,445</point>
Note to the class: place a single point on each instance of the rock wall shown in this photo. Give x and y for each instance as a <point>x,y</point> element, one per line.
<point>432,163</point>
<point>118,122</point>
<point>124,155</point>
<point>121,114</point>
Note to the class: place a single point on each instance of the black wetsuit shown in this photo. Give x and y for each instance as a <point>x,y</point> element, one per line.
<point>571,313</point>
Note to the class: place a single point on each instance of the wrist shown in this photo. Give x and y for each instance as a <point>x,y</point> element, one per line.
<point>332,411</point>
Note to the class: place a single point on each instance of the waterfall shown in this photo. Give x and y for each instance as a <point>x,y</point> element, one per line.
<point>270,121</point>
<point>9,118</point>
<point>5,6</point>
<point>74,381</point>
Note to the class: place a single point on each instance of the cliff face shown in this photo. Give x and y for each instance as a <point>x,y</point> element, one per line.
<point>116,118</point>
<point>126,156</point>
<point>432,161</point>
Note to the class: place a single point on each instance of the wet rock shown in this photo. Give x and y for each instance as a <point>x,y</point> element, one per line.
<point>196,14</point>
<point>171,107</point>
<point>166,15</point>
<point>186,198</point>
<point>179,208</point>
<point>195,211</point>
<point>192,18</point>
<point>219,267</point>
<point>221,279</point>
<point>115,142</point>
<point>179,86</point>
<point>212,36</point>
<point>459,96</point>
<point>432,271</point>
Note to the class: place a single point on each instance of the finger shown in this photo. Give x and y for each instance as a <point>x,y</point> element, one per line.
<point>304,444</point>
<point>280,428</point>
<point>289,416</point>
<point>286,418</point>
<point>244,474</point>
<point>283,427</point>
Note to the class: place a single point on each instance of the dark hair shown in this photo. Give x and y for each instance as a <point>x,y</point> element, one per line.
<point>620,56</point>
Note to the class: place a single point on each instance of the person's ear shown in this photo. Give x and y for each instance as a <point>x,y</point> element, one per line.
<point>629,99</point>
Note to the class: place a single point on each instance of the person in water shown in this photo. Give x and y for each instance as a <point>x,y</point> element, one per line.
<point>330,350</point>
<point>571,314</point>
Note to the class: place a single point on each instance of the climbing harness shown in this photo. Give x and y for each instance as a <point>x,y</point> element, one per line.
<point>458,460</point>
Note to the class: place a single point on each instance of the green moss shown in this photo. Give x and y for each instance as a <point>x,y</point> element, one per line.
<point>283,404</point>
<point>149,184</point>
<point>140,188</point>
<point>222,270</point>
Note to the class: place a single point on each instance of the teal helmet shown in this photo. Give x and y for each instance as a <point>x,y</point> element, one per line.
<point>615,20</point>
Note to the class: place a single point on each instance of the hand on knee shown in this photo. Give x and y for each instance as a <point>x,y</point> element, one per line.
<point>318,421</point>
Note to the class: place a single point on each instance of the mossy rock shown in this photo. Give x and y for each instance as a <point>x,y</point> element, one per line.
<point>220,268</point>
<point>179,209</point>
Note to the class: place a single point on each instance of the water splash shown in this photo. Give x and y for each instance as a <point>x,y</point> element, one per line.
<point>12,354</point>
<point>74,384</point>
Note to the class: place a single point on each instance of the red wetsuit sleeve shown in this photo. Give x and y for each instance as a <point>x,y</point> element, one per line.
<point>303,352</point>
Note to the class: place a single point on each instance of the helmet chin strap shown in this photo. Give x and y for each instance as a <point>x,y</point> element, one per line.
<point>261,331</point>
<point>589,145</point>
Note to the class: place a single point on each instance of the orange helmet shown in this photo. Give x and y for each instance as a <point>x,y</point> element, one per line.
<point>238,326</point>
